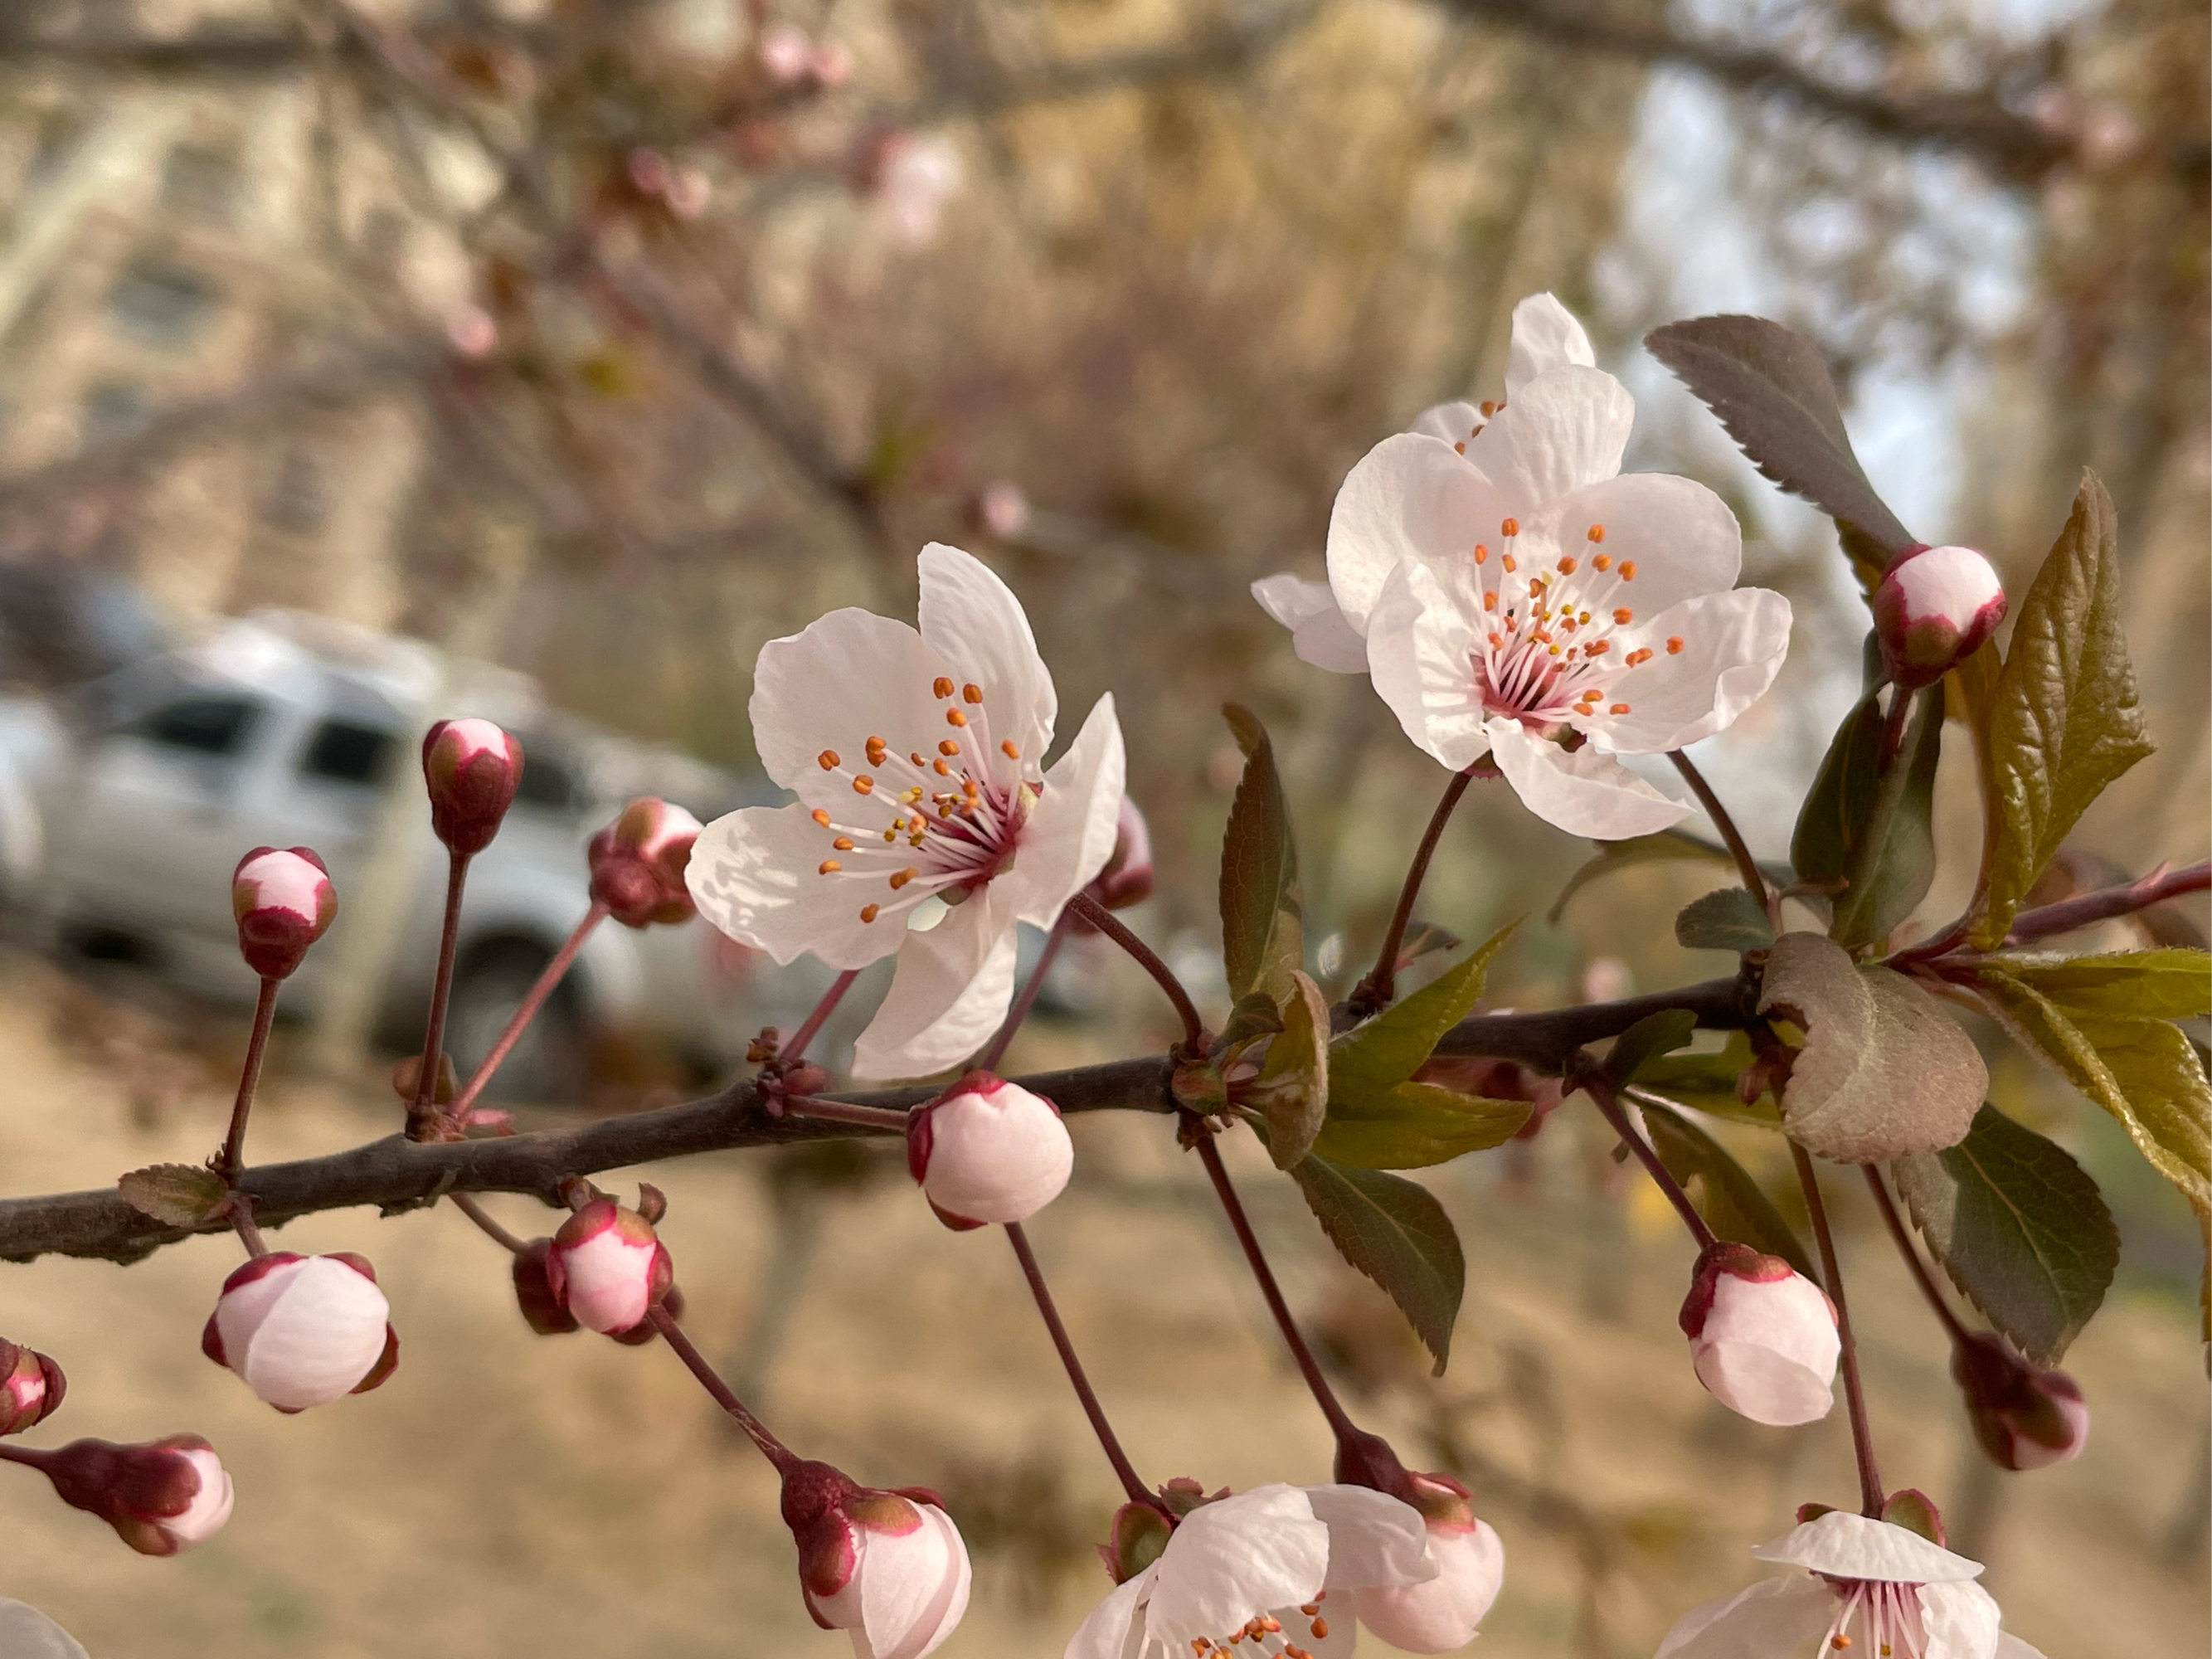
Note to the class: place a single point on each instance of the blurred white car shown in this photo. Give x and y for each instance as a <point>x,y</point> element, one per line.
<point>126,805</point>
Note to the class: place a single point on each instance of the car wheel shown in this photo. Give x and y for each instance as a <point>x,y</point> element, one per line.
<point>547,1066</point>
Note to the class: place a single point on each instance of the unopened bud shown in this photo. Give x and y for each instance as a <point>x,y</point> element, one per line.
<point>1934,609</point>
<point>473,767</point>
<point>302,1331</point>
<point>1762,1335</point>
<point>607,1266</point>
<point>638,863</point>
<point>1003,509</point>
<point>889,1567</point>
<point>786,53</point>
<point>283,902</point>
<point>1440,1614</point>
<point>2025,1417</point>
<point>31,1387</point>
<point>1128,877</point>
<point>542,1310</point>
<point>160,1497</point>
<point>988,1150</point>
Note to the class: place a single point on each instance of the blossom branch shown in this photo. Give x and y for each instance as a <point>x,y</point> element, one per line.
<point>233,1157</point>
<point>1193,1028</point>
<point>1374,993</point>
<point>1871,1494</point>
<point>467,1205</point>
<point>527,1010</point>
<point>1123,1469</point>
<point>784,1458</point>
<point>790,1052</point>
<point>422,1113</point>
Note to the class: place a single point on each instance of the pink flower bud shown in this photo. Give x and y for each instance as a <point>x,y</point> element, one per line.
<point>638,863</point>
<point>888,1567</point>
<point>161,1499</point>
<point>472,333</point>
<point>988,1150</point>
<point>2025,1417</point>
<point>1003,509</point>
<point>1762,1335</point>
<point>473,767</point>
<point>1935,607</point>
<point>31,1387</point>
<point>1128,877</point>
<point>607,1266</point>
<point>786,53</point>
<point>542,1311</point>
<point>302,1331</point>
<point>1441,1614</point>
<point>833,63</point>
<point>284,903</point>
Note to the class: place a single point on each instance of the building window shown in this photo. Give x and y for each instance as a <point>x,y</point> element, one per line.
<point>161,303</point>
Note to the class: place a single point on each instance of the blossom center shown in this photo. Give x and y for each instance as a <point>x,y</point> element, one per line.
<point>952,811</point>
<point>1886,1615</point>
<point>1548,653</point>
<point>1270,1634</point>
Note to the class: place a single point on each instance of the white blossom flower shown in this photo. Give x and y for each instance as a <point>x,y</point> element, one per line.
<point>26,1633</point>
<point>1334,635</point>
<point>1871,1586</point>
<point>917,760</point>
<point>1252,1574</point>
<point>919,173</point>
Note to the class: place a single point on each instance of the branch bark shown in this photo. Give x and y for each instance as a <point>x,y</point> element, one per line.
<point>397,1174</point>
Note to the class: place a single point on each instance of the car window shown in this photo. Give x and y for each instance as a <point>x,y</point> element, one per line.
<point>347,751</point>
<point>202,726</point>
<point>547,781</point>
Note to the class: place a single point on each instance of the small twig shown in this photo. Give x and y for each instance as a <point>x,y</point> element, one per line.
<point>1123,1469</point>
<point>1374,993</point>
<point>788,1054</point>
<point>772,1449</point>
<point>468,1206</point>
<point>888,1118</point>
<point>1193,1028</point>
<point>1871,1493</point>
<point>249,1078</point>
<point>240,1211</point>
<point>423,1113</point>
<point>525,1012</point>
<point>1591,1079</point>
<point>1746,866</point>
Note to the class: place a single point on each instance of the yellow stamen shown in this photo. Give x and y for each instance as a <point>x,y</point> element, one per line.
<point>867,912</point>
<point>828,867</point>
<point>971,693</point>
<point>941,686</point>
<point>827,760</point>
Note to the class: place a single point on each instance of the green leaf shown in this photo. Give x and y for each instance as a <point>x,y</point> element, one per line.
<point>2144,1072</point>
<point>1291,1091</point>
<point>1665,846</point>
<point>1771,389</point>
<point>1646,1041</point>
<point>2066,720</point>
<point>1261,938</point>
<point>1732,1203</point>
<point>1707,1081</point>
<point>2173,983</point>
<point>1373,1058</point>
<point>1842,796</point>
<point>1398,1235</point>
<point>1254,1016</point>
<point>1198,1086</point>
<point>2020,1227</point>
<point>1883,1071</point>
<point>178,1195</point>
<point>1894,852</point>
<point>1729,919</point>
<point>1415,1125</point>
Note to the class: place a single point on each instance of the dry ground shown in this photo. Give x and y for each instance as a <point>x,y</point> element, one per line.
<point>508,1496</point>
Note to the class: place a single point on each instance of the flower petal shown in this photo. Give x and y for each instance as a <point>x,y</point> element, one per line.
<point>1373,1538</point>
<point>1561,432</point>
<point>1419,651</point>
<point>26,1633</point>
<point>1445,1614</point>
<point>1318,633</point>
<point>845,677</point>
<point>952,985</point>
<point>1115,1628</point>
<point>754,874</point>
<point>1408,493</point>
<point>1230,1561</point>
<point>1455,423</point>
<point>1773,1617</point>
<point>1070,833</point>
<point>2011,1647</point>
<point>1732,647</point>
<point>1546,335</point>
<point>1846,1545</point>
<point>973,620</point>
<point>1769,1349</point>
<point>1679,536</point>
<point>1585,793</point>
<point>914,1589</point>
<point>1960,1621</point>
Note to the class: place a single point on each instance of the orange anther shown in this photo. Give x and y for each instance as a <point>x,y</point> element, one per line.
<point>900,877</point>
<point>1461,447</point>
<point>1490,409</point>
<point>971,693</point>
<point>1598,647</point>
<point>843,843</point>
<point>827,760</point>
<point>1567,566</point>
<point>941,768</point>
<point>1628,570</point>
<point>1481,554</point>
<point>1673,645</point>
<point>1508,561</point>
<point>867,912</point>
<point>828,867</point>
<point>941,686</point>
<point>820,818</point>
<point>1510,527</point>
<point>1311,1608</point>
<point>1490,600</point>
<point>1007,749</point>
<point>1620,709</point>
<point>1596,533</point>
<point>1320,1630</point>
<point>1623,616</point>
<point>863,784</point>
<point>954,717</point>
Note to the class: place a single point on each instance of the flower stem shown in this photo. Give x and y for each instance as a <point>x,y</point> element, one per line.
<point>525,1012</point>
<point>1123,1469</point>
<point>845,1111</point>
<point>1746,866</point>
<point>1373,994</point>
<point>1907,1248</point>
<point>423,1113</point>
<point>1339,1420</point>
<point>241,1218</point>
<point>467,1205</point>
<point>1593,1081</point>
<point>1871,1494</point>
<point>990,1059</point>
<point>789,1053</point>
<point>784,1458</point>
<point>249,1077</point>
<point>1193,1028</point>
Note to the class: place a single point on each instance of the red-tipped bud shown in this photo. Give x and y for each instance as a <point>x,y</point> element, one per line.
<point>607,1266</point>
<point>1762,1335</point>
<point>160,1497</point>
<point>473,767</point>
<point>987,1151</point>
<point>1439,1615</point>
<point>542,1310</point>
<point>303,1330</point>
<point>1935,607</point>
<point>1128,877</point>
<point>284,903</point>
<point>888,1567</point>
<point>638,863</point>
<point>31,1387</point>
<point>2025,1417</point>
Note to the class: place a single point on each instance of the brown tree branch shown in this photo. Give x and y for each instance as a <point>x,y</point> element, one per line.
<point>395,1174</point>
